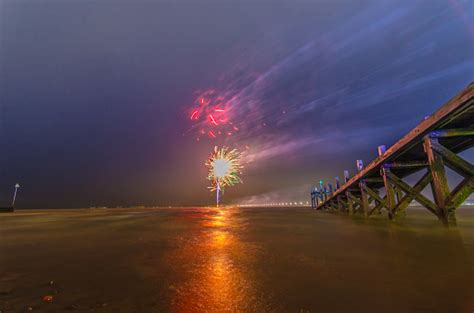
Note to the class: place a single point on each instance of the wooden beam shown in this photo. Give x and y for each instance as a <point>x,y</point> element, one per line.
<point>441,133</point>
<point>416,195</point>
<point>339,204</point>
<point>405,201</point>
<point>398,194</point>
<point>364,203</point>
<point>354,198</point>
<point>378,207</point>
<point>461,192</point>
<point>390,195</point>
<point>454,108</point>
<point>439,184</point>
<point>381,202</point>
<point>454,161</point>
<point>343,203</point>
<point>374,195</point>
<point>370,199</point>
<point>390,203</point>
<point>407,164</point>
<point>373,180</point>
<point>350,207</point>
<point>397,211</point>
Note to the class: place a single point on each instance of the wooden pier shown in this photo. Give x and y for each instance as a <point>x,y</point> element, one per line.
<point>431,146</point>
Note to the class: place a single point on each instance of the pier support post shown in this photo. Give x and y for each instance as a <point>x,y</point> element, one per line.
<point>439,184</point>
<point>398,210</point>
<point>390,195</point>
<point>364,200</point>
<point>350,206</point>
<point>340,205</point>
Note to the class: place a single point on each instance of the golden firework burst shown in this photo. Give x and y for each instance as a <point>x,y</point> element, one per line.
<point>224,168</point>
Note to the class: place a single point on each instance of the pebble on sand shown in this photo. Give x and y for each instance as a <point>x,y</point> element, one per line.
<point>48,298</point>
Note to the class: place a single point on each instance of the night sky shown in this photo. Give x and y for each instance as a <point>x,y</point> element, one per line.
<point>95,96</point>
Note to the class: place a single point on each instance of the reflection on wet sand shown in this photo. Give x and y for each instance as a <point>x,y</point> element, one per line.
<point>216,278</point>
<point>234,260</point>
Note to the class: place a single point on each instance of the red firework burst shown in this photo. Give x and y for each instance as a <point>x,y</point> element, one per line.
<point>211,113</point>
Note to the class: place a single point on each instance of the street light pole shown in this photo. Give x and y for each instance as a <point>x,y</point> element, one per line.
<point>14,194</point>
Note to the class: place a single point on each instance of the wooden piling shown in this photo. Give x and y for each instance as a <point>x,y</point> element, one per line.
<point>389,192</point>
<point>363,195</point>
<point>439,184</point>
<point>433,144</point>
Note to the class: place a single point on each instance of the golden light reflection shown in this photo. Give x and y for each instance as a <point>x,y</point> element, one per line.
<point>219,238</point>
<point>219,219</point>
<point>218,281</point>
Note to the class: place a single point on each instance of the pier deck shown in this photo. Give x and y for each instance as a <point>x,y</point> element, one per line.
<point>429,147</point>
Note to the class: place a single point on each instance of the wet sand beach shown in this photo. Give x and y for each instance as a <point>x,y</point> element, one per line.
<point>233,260</point>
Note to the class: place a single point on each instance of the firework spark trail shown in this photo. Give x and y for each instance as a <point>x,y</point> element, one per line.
<point>300,82</point>
<point>224,168</point>
<point>263,110</point>
<point>212,115</point>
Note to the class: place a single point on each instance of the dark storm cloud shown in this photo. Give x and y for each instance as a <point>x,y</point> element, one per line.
<point>95,95</point>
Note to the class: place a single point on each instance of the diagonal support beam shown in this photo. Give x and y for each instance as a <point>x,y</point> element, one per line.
<point>461,192</point>
<point>416,189</point>
<point>374,195</point>
<point>416,195</point>
<point>453,132</point>
<point>379,206</point>
<point>344,203</point>
<point>354,198</point>
<point>382,203</point>
<point>454,161</point>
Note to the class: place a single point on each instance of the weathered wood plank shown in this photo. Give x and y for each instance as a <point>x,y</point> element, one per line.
<point>442,133</point>
<point>354,199</point>
<point>461,192</point>
<point>458,104</point>
<point>350,206</point>
<point>373,180</point>
<point>417,196</point>
<point>374,195</point>
<point>417,188</point>
<point>439,183</point>
<point>407,164</point>
<point>390,195</point>
<point>454,161</point>
<point>378,207</point>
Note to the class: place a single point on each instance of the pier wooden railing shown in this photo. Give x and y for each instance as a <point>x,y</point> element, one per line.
<point>431,146</point>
